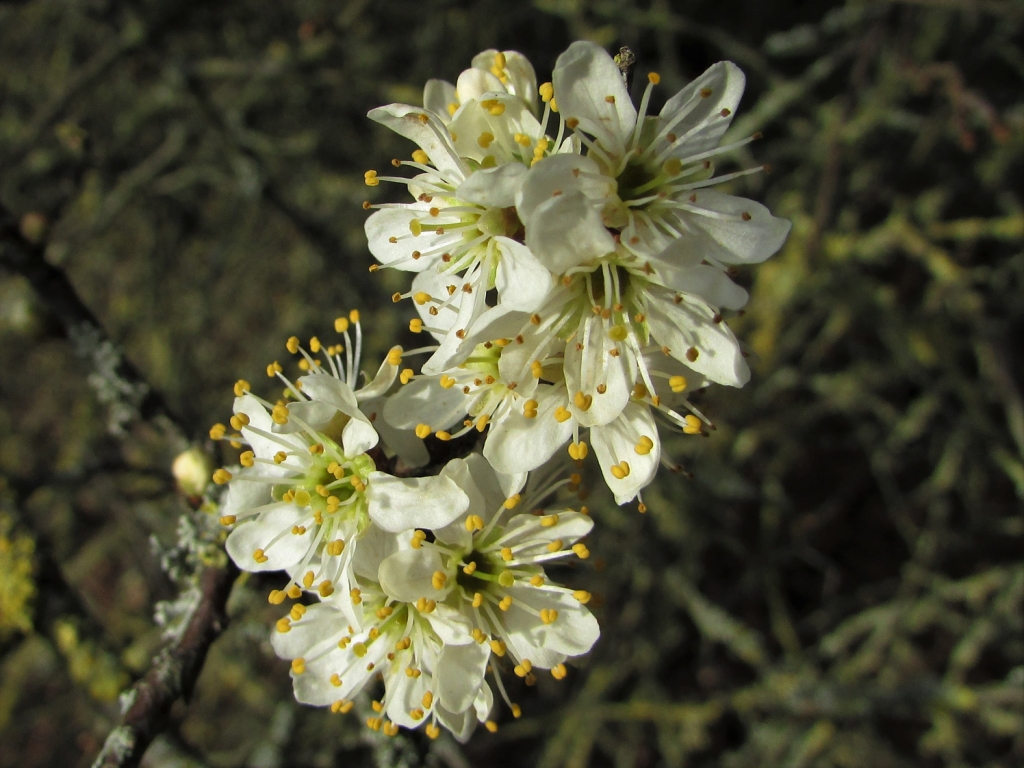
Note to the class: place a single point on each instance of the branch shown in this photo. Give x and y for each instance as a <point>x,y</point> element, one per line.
<point>116,381</point>
<point>172,674</point>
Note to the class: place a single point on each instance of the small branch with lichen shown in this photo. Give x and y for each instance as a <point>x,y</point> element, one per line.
<point>172,674</point>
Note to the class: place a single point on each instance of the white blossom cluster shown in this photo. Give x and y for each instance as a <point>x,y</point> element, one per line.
<point>571,263</point>
<point>426,582</point>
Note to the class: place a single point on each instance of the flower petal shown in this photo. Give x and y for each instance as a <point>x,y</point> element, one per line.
<point>399,504</point>
<point>517,444</point>
<point>522,281</point>
<point>427,130</point>
<point>698,108</point>
<point>717,228</point>
<point>589,87</point>
<point>437,95</point>
<point>388,223</point>
<point>425,401</point>
<point>567,231</point>
<point>274,523</point>
<point>619,444</point>
<point>493,187</point>
<point>591,369</point>
<point>460,673</point>
<point>406,575</point>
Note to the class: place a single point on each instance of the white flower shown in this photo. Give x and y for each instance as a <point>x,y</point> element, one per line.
<point>490,566</point>
<point>308,488</point>
<point>491,71</point>
<point>641,253</point>
<point>432,669</point>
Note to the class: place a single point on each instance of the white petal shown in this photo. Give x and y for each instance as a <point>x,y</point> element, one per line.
<point>704,124</point>
<point>567,231</point>
<point>321,623</point>
<point>526,529</point>
<point>461,724</point>
<point>493,187</point>
<point>399,504</point>
<point>374,546</point>
<point>522,281</point>
<point>406,121</point>
<point>437,95</point>
<point>288,550</point>
<point>450,625</point>
<point>710,283</point>
<point>409,448</point>
<point>594,366</point>
<point>585,78</point>
<point>561,175</point>
<point>245,494</point>
<point>691,324</point>
<point>264,447</point>
<point>395,222</point>
<point>474,83</point>
<point>484,702</point>
<point>405,575</point>
<point>617,442</point>
<point>460,672</point>
<point>405,694</point>
<point>381,383</point>
<point>574,632</point>
<point>517,444</point>
<point>730,240</point>
<point>425,401</point>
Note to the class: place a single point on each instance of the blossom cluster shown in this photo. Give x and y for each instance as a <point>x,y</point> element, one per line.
<point>426,582</point>
<point>571,263</point>
<point>572,259</point>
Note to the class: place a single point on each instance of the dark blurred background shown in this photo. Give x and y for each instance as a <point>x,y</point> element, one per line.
<point>839,584</point>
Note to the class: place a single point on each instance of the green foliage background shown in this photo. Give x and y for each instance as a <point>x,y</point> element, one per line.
<point>841,583</point>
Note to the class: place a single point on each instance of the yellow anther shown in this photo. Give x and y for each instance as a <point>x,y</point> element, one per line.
<point>299,665</point>
<point>559,672</point>
<point>497,108</point>
<point>693,426</point>
<point>505,603</point>
<point>530,409</point>
<point>322,491</point>
<point>562,414</point>
<point>438,580</point>
<point>537,580</point>
<point>478,635</point>
<point>314,345</point>
<point>421,298</point>
<point>307,579</point>
<point>340,324</point>
<point>276,597</point>
<point>583,402</point>
<point>523,669</point>
<point>326,588</point>
<point>478,600</point>
<point>221,476</point>
<point>470,569</point>
<point>355,595</point>
<point>447,382</point>
<point>359,649</point>
<point>512,501</point>
<point>292,345</point>
<point>618,333</point>
<point>423,431</point>
<point>442,435</point>
<point>239,420</point>
<point>406,375</point>
<point>336,680</point>
<point>555,545</point>
<point>499,60</point>
<point>641,507</point>
<point>302,497</point>
<point>228,520</point>
<point>549,520</point>
<point>297,612</point>
<point>284,624</point>
<point>217,432</point>
<point>506,554</point>
<point>677,383</point>
<point>377,706</point>
<point>432,731</point>
<point>336,547</point>
<point>582,596</point>
<point>578,451</point>
<point>620,471</point>
<point>581,550</point>
<point>370,178</point>
<point>482,422</point>
<point>491,726</point>
<point>498,647</point>
<point>419,156</point>
<point>485,139</point>
<point>547,92</point>
<point>522,139</point>
<point>395,356</point>
<point>416,325</point>
<point>279,414</point>
<point>353,316</point>
<point>293,592</point>
<point>298,530</point>
<point>241,387</point>
<point>374,723</point>
<point>536,369</point>
<point>644,445</point>
<point>653,78</point>
<point>548,615</point>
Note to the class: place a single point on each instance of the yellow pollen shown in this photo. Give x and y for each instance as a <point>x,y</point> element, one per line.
<point>395,356</point>
<point>548,615</point>
<point>506,554</point>
<point>677,383</point>
<point>356,596</point>
<point>406,375</point>
<point>470,569</point>
<point>221,476</point>
<point>447,382</point>
<point>498,647</point>
<point>276,597</point>
<point>292,345</point>
<point>644,445</point>
<point>297,612</point>
<point>499,60</point>
<point>547,92</point>
<point>491,726</point>
<point>336,547</point>
<point>517,711</point>
<point>653,78</point>
<point>582,596</point>
<point>536,369</point>
<point>512,501</point>
<point>294,592</point>
<point>555,545</point>
<point>307,579</point>
<point>217,432</point>
<point>537,580</point>
<point>299,665</point>
<point>377,707</point>
<point>497,108</point>
<point>241,387</point>
<point>421,298</point>
<point>423,431</point>
<point>583,402</point>
<point>562,414</point>
<point>559,672</point>
<point>341,324</point>
<point>549,520</point>
<point>239,420</point>
<point>693,425</point>
<point>524,668</point>
<point>478,600</point>
<point>326,588</point>
<point>370,178</point>
<point>505,603</point>
<point>438,580</point>
<point>419,156</point>
<point>620,471</point>
<point>530,409</point>
<point>284,624</point>
<point>474,523</point>
<point>485,139</point>
<point>443,435</point>
<point>335,680</point>
<point>581,550</point>
<point>481,423</point>
<point>432,731</point>
<point>578,451</point>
